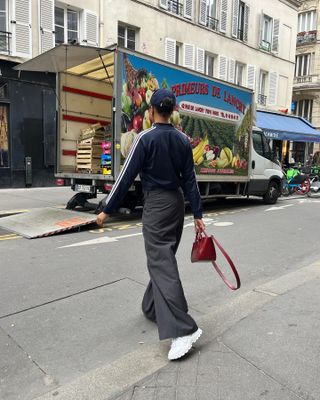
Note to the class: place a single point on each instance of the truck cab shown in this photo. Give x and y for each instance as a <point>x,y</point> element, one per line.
<point>265,170</point>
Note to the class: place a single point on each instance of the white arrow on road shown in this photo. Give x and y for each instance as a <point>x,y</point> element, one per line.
<point>279,208</point>
<point>104,239</point>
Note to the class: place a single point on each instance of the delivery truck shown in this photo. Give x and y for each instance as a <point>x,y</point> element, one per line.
<point>103,98</point>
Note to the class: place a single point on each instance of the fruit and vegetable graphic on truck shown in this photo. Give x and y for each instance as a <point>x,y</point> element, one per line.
<point>103,104</point>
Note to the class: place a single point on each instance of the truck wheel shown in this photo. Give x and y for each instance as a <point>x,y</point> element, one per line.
<point>79,199</point>
<point>272,194</point>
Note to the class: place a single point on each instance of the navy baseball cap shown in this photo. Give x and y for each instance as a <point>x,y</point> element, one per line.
<point>159,95</point>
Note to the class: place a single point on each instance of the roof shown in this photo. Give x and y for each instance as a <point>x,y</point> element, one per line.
<point>286,127</point>
<point>90,62</point>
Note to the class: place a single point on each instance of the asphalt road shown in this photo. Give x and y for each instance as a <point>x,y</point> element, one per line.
<point>71,302</point>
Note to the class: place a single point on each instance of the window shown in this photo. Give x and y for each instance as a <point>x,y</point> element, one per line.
<point>303,108</point>
<point>127,37</point>
<point>239,74</point>
<point>178,53</point>
<point>209,64</point>
<point>266,33</point>
<point>303,65</point>
<point>4,34</point>
<point>241,20</point>
<point>307,21</point>
<point>66,25</point>
<point>175,7</point>
<point>4,140</point>
<point>262,98</point>
<point>208,14</point>
<point>257,143</point>
<point>261,145</point>
<point>183,8</point>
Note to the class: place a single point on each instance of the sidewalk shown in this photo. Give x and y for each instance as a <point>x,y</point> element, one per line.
<point>264,346</point>
<point>271,354</point>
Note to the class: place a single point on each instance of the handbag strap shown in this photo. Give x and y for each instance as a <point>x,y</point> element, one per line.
<point>234,270</point>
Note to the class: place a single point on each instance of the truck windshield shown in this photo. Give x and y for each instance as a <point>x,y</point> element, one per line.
<point>261,145</point>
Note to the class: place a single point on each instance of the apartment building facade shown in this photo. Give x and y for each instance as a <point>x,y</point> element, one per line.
<point>306,84</point>
<point>249,43</point>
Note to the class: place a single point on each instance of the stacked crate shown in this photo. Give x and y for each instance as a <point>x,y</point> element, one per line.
<point>89,149</point>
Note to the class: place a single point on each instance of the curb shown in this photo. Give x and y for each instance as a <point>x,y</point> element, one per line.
<point>112,380</point>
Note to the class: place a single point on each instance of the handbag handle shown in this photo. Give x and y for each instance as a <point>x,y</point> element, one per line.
<point>234,270</point>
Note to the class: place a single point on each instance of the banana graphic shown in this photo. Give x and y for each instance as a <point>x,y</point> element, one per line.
<point>197,152</point>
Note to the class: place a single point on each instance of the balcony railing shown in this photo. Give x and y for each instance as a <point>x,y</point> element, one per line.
<point>240,35</point>
<point>212,23</point>
<point>175,7</point>
<point>304,38</point>
<point>262,99</point>
<point>307,79</point>
<point>5,42</point>
<point>264,45</point>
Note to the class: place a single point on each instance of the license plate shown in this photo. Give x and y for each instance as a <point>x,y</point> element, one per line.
<point>84,188</point>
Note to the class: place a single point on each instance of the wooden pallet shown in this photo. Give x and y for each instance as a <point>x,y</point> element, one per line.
<point>89,155</point>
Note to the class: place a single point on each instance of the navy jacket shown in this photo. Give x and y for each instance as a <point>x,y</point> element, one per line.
<point>162,156</point>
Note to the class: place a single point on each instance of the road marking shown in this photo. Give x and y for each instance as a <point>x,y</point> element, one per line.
<point>10,212</point>
<point>104,239</point>
<point>9,237</point>
<point>223,223</point>
<point>279,208</point>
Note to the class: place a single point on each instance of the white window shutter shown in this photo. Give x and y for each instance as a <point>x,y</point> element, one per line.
<point>90,28</point>
<point>235,18</point>
<point>170,50</point>
<point>231,70</point>
<point>200,60</point>
<point>188,55</point>
<point>275,35</point>
<point>246,22</point>
<point>223,67</point>
<point>203,12</point>
<point>273,88</point>
<point>251,76</point>
<point>47,38</point>
<point>163,4</point>
<point>21,28</point>
<point>223,15</point>
<point>258,75</point>
<point>188,9</point>
<point>261,28</point>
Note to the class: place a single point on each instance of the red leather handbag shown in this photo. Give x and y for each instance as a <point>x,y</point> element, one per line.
<point>203,250</point>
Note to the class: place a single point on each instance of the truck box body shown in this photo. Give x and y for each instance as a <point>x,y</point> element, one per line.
<point>113,87</point>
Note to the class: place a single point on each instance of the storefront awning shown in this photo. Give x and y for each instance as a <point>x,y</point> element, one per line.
<point>286,127</point>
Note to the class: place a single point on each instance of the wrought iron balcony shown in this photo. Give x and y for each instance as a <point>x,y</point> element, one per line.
<point>175,7</point>
<point>240,35</point>
<point>304,38</point>
<point>262,99</point>
<point>212,23</point>
<point>264,45</point>
<point>5,42</point>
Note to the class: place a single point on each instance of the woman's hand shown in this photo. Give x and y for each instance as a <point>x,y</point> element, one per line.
<point>199,225</point>
<point>101,218</point>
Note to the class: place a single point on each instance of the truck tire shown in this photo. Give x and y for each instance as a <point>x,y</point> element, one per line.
<point>79,199</point>
<point>272,194</point>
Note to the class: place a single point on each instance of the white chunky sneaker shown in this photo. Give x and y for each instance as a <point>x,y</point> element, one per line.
<point>181,345</point>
